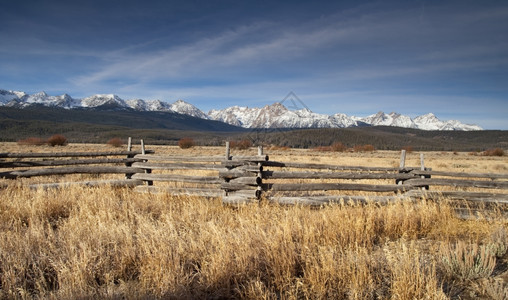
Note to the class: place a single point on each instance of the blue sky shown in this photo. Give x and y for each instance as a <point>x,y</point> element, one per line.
<point>353,57</point>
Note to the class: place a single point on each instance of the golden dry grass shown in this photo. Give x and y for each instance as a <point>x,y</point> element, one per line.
<point>113,243</point>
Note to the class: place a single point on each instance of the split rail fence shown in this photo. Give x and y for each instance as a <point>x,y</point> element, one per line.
<point>318,184</point>
<point>27,165</point>
<point>244,179</point>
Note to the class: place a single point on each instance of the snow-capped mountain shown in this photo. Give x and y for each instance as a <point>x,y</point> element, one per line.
<point>185,108</point>
<point>269,116</point>
<point>109,101</point>
<point>431,122</point>
<point>391,119</point>
<point>278,116</point>
<point>7,97</point>
<point>148,105</point>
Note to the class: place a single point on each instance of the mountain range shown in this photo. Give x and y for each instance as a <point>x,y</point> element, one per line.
<point>270,116</point>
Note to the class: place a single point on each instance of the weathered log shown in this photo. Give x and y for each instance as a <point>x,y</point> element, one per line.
<point>286,187</point>
<point>201,192</point>
<point>229,186</point>
<point>457,174</point>
<point>455,195</point>
<point>177,178</point>
<point>231,174</point>
<point>333,186</point>
<point>180,158</point>
<point>247,180</point>
<point>250,168</point>
<point>252,158</point>
<point>69,154</point>
<point>244,160</point>
<point>176,166</point>
<point>327,166</point>
<point>417,182</point>
<point>112,183</point>
<point>75,170</point>
<point>7,175</point>
<point>332,175</point>
<point>324,200</point>
<point>67,162</point>
<point>238,164</point>
<point>245,193</point>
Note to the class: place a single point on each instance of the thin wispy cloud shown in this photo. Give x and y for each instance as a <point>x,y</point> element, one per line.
<point>353,57</point>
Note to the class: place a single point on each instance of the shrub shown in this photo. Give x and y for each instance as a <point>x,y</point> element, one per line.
<point>499,242</point>
<point>115,142</point>
<point>363,148</point>
<point>338,147</point>
<point>467,261</point>
<point>409,149</point>
<point>57,140</point>
<point>32,141</point>
<point>494,152</point>
<point>240,145</point>
<point>186,143</point>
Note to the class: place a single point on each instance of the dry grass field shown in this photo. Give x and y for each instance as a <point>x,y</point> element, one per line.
<point>114,243</point>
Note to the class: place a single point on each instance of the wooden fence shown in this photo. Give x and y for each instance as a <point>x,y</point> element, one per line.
<point>318,184</point>
<point>243,179</point>
<point>26,165</point>
<point>194,175</point>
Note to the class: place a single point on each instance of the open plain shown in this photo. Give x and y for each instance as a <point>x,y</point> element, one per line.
<point>115,243</point>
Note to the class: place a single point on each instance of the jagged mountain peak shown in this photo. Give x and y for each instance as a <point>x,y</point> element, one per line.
<point>40,94</point>
<point>8,96</point>
<point>185,108</point>
<point>103,100</point>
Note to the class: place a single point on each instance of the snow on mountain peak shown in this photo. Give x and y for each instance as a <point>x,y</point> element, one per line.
<point>278,116</point>
<point>275,115</point>
<point>185,108</point>
<point>103,99</point>
<point>8,96</point>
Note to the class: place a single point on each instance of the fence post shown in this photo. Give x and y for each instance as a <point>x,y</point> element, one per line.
<point>401,165</point>
<point>402,159</point>
<point>422,168</point>
<point>129,144</point>
<point>147,171</point>
<point>228,157</point>
<point>259,189</point>
<point>129,164</point>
